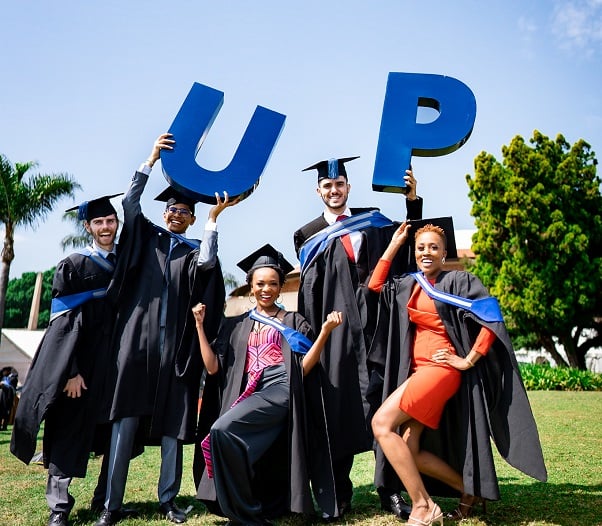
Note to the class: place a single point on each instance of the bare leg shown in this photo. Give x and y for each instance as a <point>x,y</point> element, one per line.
<point>385,423</point>
<point>433,466</point>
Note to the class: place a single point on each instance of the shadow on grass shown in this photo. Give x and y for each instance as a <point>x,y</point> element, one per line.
<point>558,504</point>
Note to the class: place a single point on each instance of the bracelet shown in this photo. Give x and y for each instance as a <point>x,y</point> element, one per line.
<point>471,363</point>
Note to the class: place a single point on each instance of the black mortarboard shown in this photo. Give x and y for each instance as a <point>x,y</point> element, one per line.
<point>266,256</point>
<point>446,223</point>
<point>100,207</point>
<point>331,168</point>
<point>170,196</point>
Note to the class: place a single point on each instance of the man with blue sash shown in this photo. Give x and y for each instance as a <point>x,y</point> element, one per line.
<point>64,386</point>
<point>338,252</point>
<point>161,274</point>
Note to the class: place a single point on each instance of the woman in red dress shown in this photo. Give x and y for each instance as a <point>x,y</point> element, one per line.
<point>434,376</point>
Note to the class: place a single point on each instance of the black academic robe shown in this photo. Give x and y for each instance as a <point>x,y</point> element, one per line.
<point>284,474</point>
<point>491,402</point>
<point>76,342</point>
<point>161,385</point>
<point>330,283</point>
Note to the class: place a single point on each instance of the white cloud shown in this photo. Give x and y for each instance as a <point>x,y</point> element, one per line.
<point>578,25</point>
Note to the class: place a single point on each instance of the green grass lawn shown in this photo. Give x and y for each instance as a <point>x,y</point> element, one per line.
<point>570,426</point>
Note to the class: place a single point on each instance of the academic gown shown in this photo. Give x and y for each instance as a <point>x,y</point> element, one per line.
<point>491,402</point>
<point>162,386</point>
<point>74,342</point>
<point>284,473</point>
<point>351,389</point>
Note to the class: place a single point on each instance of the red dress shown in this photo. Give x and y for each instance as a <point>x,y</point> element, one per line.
<point>430,384</point>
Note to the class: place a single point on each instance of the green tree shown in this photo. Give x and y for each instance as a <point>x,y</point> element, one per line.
<point>24,203</point>
<point>539,241</point>
<point>19,295</point>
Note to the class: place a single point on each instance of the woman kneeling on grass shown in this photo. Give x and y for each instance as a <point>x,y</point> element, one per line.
<point>263,359</point>
<point>456,368</point>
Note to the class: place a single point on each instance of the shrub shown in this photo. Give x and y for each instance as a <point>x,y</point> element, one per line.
<point>541,377</point>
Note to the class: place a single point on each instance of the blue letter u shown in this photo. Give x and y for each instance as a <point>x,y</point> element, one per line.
<point>189,129</point>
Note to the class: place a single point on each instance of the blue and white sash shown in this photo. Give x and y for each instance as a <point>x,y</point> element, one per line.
<point>298,342</point>
<point>317,243</point>
<point>487,309</point>
<point>64,304</point>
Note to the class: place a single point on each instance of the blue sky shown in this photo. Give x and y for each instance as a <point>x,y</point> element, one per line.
<point>88,86</point>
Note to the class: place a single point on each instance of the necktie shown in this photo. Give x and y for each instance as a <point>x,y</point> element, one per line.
<point>111,257</point>
<point>346,240</point>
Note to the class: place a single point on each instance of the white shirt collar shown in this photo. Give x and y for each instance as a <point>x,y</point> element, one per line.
<point>332,218</point>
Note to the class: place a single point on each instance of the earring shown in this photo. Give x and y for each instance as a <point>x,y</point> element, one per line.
<point>251,299</point>
<point>279,300</point>
<point>443,260</point>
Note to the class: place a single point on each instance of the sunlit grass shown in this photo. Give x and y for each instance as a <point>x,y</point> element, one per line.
<point>570,426</point>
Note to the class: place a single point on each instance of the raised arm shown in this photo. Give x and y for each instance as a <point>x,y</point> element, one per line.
<point>209,357</point>
<point>334,319</point>
<point>413,200</point>
<point>381,271</point>
<point>131,201</point>
<point>208,248</point>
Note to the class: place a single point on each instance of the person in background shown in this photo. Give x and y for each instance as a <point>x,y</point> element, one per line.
<point>65,384</point>
<point>257,458</point>
<point>161,274</point>
<point>458,378</point>
<point>8,395</point>
<point>338,251</point>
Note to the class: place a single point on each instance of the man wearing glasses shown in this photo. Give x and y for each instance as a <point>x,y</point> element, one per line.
<point>161,274</point>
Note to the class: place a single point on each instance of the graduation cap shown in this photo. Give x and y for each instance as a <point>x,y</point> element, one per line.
<point>100,207</point>
<point>266,256</point>
<point>446,223</point>
<point>170,196</point>
<point>331,168</point>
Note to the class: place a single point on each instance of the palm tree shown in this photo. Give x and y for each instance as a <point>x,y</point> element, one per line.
<point>80,238</point>
<point>25,203</point>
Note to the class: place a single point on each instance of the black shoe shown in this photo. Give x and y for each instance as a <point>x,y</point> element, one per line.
<point>108,518</point>
<point>58,519</point>
<point>172,512</point>
<point>399,507</point>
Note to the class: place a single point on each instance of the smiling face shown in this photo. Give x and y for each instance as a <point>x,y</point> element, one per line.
<point>265,287</point>
<point>429,252</point>
<point>103,230</point>
<point>334,193</point>
<point>178,218</point>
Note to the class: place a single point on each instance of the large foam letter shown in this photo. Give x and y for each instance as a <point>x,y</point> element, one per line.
<point>189,129</point>
<point>401,136</point>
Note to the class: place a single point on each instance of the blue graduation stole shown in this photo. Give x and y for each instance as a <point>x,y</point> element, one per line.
<point>298,342</point>
<point>317,243</point>
<point>487,309</point>
<point>64,304</point>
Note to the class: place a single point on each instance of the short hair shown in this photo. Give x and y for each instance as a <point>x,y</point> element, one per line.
<point>432,228</point>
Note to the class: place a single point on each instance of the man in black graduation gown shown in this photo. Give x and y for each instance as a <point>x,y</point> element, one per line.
<point>64,386</point>
<point>335,269</point>
<point>158,366</point>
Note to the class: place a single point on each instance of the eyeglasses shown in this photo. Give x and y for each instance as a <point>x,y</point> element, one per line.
<point>180,211</point>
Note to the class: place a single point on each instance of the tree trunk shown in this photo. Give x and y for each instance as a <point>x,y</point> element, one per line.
<point>550,346</point>
<point>8,254</point>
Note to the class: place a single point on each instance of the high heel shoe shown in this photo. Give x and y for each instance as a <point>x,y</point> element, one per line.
<point>466,507</point>
<point>436,516</point>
